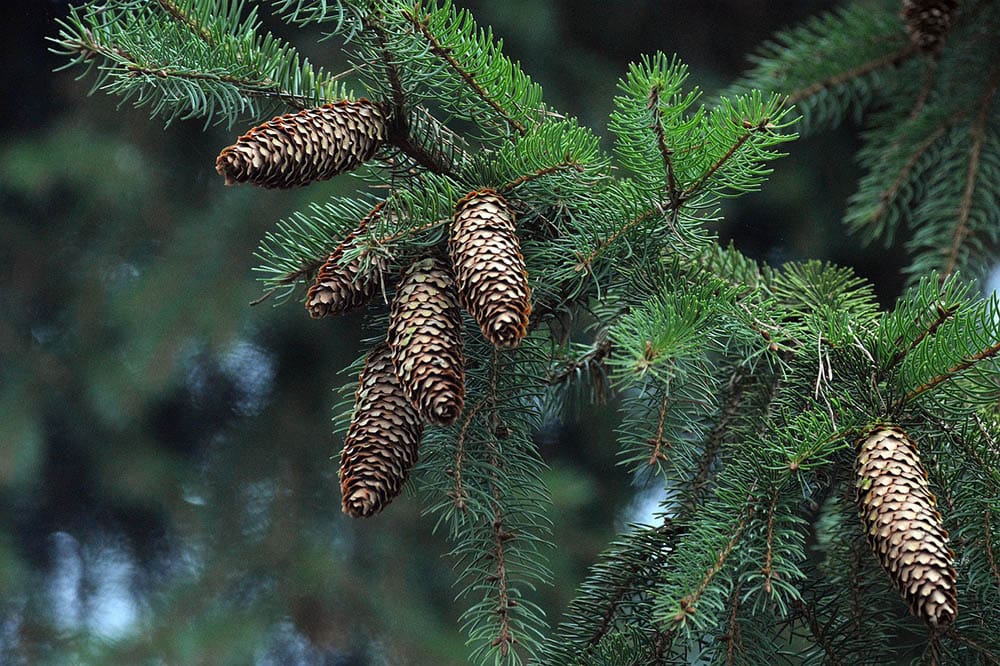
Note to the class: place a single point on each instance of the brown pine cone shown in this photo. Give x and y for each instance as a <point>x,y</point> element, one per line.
<point>425,335</point>
<point>382,441</point>
<point>902,525</point>
<point>339,288</point>
<point>928,21</point>
<point>300,148</point>
<point>489,268</point>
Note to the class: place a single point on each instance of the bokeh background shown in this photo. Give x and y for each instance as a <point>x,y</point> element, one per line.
<point>167,493</point>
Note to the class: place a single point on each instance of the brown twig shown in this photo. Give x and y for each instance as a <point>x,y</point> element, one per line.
<point>893,58</point>
<point>445,53</point>
<point>977,133</point>
<point>964,364</point>
<point>666,153</point>
<point>521,180</point>
<point>942,315</point>
<point>688,604</point>
<point>177,14</point>
<point>887,195</point>
<point>817,632</point>
<point>769,556</point>
<point>657,455</point>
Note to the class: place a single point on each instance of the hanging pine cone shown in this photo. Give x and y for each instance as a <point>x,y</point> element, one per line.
<point>339,288</point>
<point>903,526</point>
<point>425,335</point>
<point>381,443</point>
<point>928,21</point>
<point>489,268</point>
<point>300,148</point>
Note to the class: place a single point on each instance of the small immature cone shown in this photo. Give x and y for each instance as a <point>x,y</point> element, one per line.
<point>902,525</point>
<point>339,288</point>
<point>381,443</point>
<point>928,21</point>
<point>489,267</point>
<point>299,148</point>
<point>425,336</point>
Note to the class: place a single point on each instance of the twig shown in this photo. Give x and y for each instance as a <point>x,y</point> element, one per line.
<point>445,53</point>
<point>181,17</point>
<point>888,194</point>
<point>942,315</point>
<point>658,455</point>
<point>673,192</point>
<point>964,364</point>
<point>977,132</point>
<point>893,58</point>
<point>769,556</point>
<point>817,631</point>
<point>689,603</point>
<point>521,180</point>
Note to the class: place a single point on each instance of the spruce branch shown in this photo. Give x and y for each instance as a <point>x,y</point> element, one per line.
<point>952,372</point>
<point>887,60</point>
<point>977,134</point>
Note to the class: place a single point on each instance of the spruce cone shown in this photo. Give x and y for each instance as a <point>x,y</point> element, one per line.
<point>425,335</point>
<point>299,148</point>
<point>381,443</point>
<point>928,21</point>
<point>489,268</point>
<point>339,288</point>
<point>903,527</point>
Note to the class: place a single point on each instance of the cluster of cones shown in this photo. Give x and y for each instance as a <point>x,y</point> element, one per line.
<point>417,376</point>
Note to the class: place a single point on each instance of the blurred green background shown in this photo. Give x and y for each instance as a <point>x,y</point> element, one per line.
<point>168,494</point>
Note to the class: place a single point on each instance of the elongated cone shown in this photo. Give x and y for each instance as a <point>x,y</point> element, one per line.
<point>489,268</point>
<point>338,287</point>
<point>425,336</point>
<point>928,21</point>
<point>903,526</point>
<point>299,148</point>
<point>382,441</point>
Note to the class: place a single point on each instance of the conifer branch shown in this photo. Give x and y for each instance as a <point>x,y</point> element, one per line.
<point>887,60</point>
<point>978,134</point>
<point>657,455</point>
<point>769,555</point>
<point>954,634</point>
<point>763,125</point>
<point>585,263</point>
<point>688,604</point>
<point>178,15</point>
<point>817,631</point>
<point>942,315</point>
<point>964,364</point>
<point>420,24</point>
<point>734,639</point>
<point>544,171</point>
<point>627,585</point>
<point>887,195</point>
<point>673,191</point>
<point>505,638</point>
<point>990,557</point>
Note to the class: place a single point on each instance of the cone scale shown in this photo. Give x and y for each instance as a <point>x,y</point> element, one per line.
<point>425,336</point>
<point>382,440</point>
<point>489,268</point>
<point>338,287</point>
<point>903,526</point>
<point>300,148</point>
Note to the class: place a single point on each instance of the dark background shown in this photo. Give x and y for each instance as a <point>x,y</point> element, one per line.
<point>166,482</point>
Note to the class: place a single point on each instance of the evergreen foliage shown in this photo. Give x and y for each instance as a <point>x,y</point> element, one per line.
<point>741,388</point>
